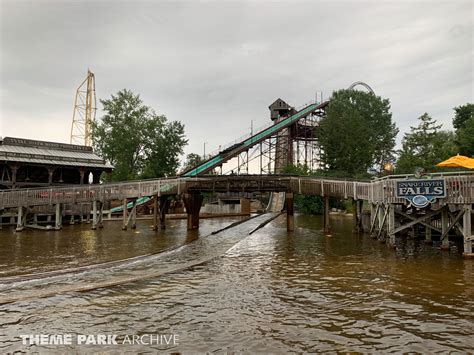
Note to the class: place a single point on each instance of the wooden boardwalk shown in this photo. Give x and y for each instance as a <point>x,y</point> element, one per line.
<point>390,215</point>
<point>460,189</point>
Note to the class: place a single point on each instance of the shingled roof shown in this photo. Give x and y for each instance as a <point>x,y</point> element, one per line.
<point>52,153</point>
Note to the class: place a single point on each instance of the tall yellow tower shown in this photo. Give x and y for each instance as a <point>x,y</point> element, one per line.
<point>84,112</point>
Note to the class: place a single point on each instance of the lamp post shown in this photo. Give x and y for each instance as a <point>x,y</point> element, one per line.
<point>204,155</point>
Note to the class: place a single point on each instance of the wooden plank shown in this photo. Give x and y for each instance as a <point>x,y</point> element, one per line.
<point>421,222</point>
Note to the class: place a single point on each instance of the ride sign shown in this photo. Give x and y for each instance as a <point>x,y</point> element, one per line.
<point>421,192</point>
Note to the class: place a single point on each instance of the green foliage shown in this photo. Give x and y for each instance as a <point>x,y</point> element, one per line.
<point>309,204</point>
<point>137,141</point>
<point>463,122</point>
<point>192,160</point>
<point>425,146</point>
<point>357,133</point>
<point>306,204</point>
<point>465,138</point>
<point>462,114</point>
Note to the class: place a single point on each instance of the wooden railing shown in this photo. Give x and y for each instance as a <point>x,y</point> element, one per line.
<point>460,189</point>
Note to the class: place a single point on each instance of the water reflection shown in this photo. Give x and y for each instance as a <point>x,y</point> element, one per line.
<point>87,242</point>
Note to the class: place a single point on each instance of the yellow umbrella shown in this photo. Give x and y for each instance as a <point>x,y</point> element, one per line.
<point>458,160</point>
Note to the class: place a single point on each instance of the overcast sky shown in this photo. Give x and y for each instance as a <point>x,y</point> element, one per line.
<point>215,66</point>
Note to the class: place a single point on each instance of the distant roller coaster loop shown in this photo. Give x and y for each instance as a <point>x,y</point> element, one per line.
<point>363,84</point>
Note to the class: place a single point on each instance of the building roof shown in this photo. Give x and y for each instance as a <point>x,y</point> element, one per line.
<point>51,153</point>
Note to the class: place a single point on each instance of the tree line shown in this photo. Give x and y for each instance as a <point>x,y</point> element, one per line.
<point>357,138</point>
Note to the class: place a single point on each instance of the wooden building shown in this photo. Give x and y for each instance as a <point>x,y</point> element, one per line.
<point>26,163</point>
<point>280,108</point>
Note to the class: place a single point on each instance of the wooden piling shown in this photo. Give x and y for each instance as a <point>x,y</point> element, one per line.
<point>133,213</point>
<point>444,228</point>
<point>164,203</point>
<point>193,203</point>
<point>155,212</point>
<point>391,225</point>
<point>468,236</point>
<point>327,224</point>
<point>101,215</point>
<point>94,215</point>
<point>58,221</point>
<point>245,206</point>
<point>20,219</point>
<point>124,215</point>
<point>290,215</point>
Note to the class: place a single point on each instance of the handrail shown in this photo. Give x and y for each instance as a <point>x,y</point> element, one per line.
<point>460,189</point>
<point>411,176</point>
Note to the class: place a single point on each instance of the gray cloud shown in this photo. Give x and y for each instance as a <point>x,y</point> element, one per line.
<point>217,65</point>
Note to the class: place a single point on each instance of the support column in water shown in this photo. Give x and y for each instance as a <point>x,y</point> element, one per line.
<point>193,202</point>
<point>164,204</point>
<point>327,224</point>
<point>355,218</point>
<point>245,206</point>
<point>94,215</point>
<point>124,216</point>
<point>155,212</point>
<point>467,230</point>
<point>391,225</point>
<point>133,213</point>
<point>20,219</point>
<point>290,215</point>
<point>444,228</point>
<point>58,223</point>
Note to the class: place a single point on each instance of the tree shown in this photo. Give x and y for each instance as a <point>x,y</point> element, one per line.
<point>307,204</point>
<point>164,146</point>
<point>462,114</point>
<point>425,146</point>
<point>192,160</point>
<point>137,141</point>
<point>357,133</point>
<point>465,138</point>
<point>463,122</point>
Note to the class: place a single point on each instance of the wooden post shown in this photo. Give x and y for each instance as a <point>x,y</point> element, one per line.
<point>380,217</point>
<point>14,169</point>
<point>124,212</point>
<point>134,214</point>
<point>373,217</point>
<point>193,203</point>
<point>155,212</point>
<point>391,224</point>
<point>164,202</point>
<point>88,215</point>
<point>245,206</point>
<point>100,218</point>
<point>20,219</point>
<point>94,215</point>
<point>290,215</point>
<point>428,239</point>
<point>467,231</point>
<point>50,176</point>
<point>444,228</point>
<point>360,205</point>
<point>327,224</point>
<point>355,218</point>
<point>58,222</point>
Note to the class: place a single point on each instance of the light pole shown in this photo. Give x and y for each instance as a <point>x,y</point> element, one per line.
<point>204,155</point>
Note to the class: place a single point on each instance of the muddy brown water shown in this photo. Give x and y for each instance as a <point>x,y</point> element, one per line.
<point>271,291</point>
